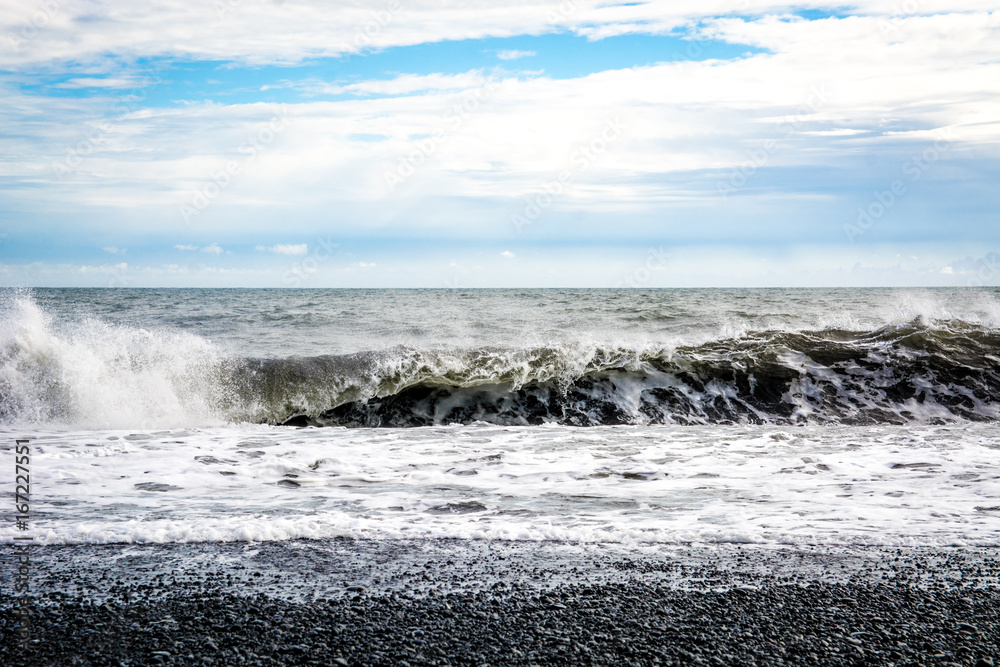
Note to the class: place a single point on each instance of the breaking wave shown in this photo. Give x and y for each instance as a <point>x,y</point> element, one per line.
<point>109,376</point>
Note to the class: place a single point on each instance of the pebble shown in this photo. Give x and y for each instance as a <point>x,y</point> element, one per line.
<point>758,617</point>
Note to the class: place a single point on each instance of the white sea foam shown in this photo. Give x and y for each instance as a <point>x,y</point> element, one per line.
<point>930,485</point>
<point>85,372</point>
<point>141,433</point>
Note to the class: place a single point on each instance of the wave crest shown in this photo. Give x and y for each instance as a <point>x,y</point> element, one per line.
<point>915,373</point>
<point>93,374</point>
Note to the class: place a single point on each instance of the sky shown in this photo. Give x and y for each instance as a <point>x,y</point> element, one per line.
<point>571,143</point>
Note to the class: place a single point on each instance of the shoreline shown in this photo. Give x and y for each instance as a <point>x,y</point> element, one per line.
<point>454,602</point>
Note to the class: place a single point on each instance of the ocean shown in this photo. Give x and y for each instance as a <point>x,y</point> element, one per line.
<point>829,417</point>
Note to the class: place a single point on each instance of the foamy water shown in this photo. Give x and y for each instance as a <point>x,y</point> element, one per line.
<point>807,485</point>
<point>658,417</point>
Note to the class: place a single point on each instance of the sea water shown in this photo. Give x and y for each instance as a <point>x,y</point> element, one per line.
<point>821,417</point>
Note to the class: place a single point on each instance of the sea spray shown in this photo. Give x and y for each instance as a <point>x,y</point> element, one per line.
<point>87,371</point>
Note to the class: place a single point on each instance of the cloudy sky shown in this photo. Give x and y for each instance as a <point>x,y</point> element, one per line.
<point>427,143</point>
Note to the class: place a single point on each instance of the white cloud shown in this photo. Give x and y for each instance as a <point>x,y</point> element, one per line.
<point>514,54</point>
<point>508,254</point>
<point>684,122</point>
<point>404,84</point>
<point>271,32</point>
<point>697,266</point>
<point>682,118</point>
<point>102,82</point>
<point>839,132</point>
<point>286,249</point>
<point>112,249</point>
<point>948,271</point>
<point>186,247</point>
<point>213,249</point>
<point>367,265</point>
<point>103,270</point>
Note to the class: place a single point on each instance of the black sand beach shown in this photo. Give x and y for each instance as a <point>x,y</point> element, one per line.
<point>346,602</point>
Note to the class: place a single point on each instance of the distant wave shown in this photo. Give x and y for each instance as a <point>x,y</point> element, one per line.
<point>100,375</point>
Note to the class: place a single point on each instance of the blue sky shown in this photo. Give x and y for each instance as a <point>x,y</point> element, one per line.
<point>559,55</point>
<point>658,144</point>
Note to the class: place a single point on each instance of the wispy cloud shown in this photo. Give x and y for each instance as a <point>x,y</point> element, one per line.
<point>95,82</point>
<point>286,249</point>
<point>283,33</point>
<point>514,54</point>
<point>807,130</point>
<point>404,84</point>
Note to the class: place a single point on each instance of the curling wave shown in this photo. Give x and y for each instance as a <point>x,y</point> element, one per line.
<point>916,373</point>
<point>95,374</point>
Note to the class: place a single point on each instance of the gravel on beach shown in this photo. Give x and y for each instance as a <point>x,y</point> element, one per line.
<point>500,604</point>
